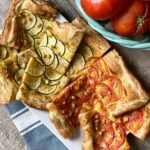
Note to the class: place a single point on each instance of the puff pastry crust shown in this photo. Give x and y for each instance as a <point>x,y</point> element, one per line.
<point>60,121</point>
<point>135,96</point>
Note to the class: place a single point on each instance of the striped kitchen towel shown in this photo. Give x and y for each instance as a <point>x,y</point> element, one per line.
<point>35,134</point>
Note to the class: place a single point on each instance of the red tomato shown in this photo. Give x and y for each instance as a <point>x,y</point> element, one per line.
<point>149,24</point>
<point>132,21</point>
<point>103,9</point>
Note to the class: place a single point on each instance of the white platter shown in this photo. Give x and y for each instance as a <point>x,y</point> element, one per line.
<point>75,142</point>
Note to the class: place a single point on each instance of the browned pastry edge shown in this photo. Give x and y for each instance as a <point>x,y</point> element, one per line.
<point>8,88</point>
<point>60,121</point>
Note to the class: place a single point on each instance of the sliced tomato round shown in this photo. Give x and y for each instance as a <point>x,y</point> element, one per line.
<point>133,120</point>
<point>104,93</point>
<point>64,97</point>
<point>120,136</point>
<point>102,67</point>
<point>109,134</point>
<point>100,145</point>
<point>93,73</point>
<point>116,86</point>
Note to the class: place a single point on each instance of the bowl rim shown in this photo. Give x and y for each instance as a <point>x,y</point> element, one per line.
<point>124,41</point>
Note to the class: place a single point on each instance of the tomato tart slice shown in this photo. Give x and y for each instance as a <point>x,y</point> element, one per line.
<point>99,133</point>
<point>128,93</point>
<point>66,105</point>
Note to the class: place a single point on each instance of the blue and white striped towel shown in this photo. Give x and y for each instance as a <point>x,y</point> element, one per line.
<point>35,134</point>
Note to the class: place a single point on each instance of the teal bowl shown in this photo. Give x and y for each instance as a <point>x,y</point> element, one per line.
<point>143,44</point>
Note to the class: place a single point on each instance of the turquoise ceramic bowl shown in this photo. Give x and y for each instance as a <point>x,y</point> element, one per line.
<point>143,44</point>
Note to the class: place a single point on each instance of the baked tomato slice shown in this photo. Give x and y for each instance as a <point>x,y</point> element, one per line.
<point>119,136</point>
<point>108,134</point>
<point>102,68</point>
<point>116,86</point>
<point>104,93</point>
<point>133,120</point>
<point>93,74</point>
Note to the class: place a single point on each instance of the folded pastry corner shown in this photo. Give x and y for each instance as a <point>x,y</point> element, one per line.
<point>138,122</point>
<point>60,121</point>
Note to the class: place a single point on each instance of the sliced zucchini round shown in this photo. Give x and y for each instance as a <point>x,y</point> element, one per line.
<point>18,75</point>
<point>44,41</point>
<point>52,41</point>
<point>59,49</point>
<point>37,43</point>
<point>35,68</point>
<point>3,52</point>
<point>31,41</point>
<point>68,55</point>
<point>49,34</point>
<point>47,55</point>
<point>86,51</point>
<point>47,89</point>
<point>21,61</point>
<point>55,62</point>
<point>37,28</point>
<point>52,75</point>
<point>31,82</point>
<point>46,23</point>
<point>39,53</point>
<point>78,62</point>
<point>54,82</point>
<point>70,71</point>
<point>28,20</point>
<point>40,62</point>
<point>63,62</point>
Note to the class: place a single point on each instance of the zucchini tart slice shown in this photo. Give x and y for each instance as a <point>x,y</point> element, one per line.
<point>39,84</point>
<point>11,72</point>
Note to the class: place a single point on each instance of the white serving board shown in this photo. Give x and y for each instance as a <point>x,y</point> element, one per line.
<point>74,143</point>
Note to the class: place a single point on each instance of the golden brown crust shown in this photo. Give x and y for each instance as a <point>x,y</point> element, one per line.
<point>13,32</point>
<point>8,88</point>
<point>39,7</point>
<point>87,131</point>
<point>60,121</point>
<point>134,95</point>
<point>98,44</point>
<point>31,98</point>
<point>68,34</point>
